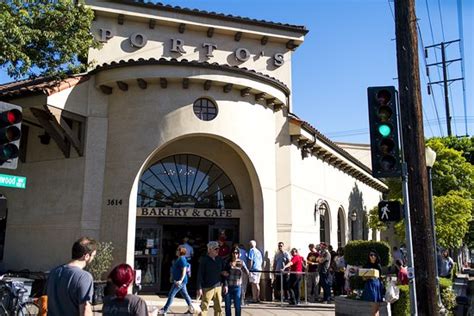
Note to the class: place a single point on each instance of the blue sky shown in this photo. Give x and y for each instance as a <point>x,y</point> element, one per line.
<point>351,46</point>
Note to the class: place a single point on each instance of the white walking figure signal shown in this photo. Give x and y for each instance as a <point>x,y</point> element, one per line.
<point>385,211</point>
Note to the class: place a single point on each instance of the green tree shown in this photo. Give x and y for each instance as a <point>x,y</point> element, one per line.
<point>44,38</point>
<point>451,171</point>
<point>453,212</point>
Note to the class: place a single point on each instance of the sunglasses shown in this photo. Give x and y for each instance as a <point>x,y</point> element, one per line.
<point>215,249</point>
<point>236,253</point>
<point>372,255</point>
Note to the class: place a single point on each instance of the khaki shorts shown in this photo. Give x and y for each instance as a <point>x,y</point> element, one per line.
<point>254,277</point>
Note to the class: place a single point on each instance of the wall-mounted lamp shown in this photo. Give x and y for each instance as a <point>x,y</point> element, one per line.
<point>45,138</point>
<point>354,215</point>
<point>322,209</point>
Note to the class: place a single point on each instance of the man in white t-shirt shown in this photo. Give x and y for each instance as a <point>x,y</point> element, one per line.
<point>189,249</point>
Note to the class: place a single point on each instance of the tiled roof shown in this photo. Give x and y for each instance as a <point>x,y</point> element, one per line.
<point>184,62</point>
<point>333,145</point>
<point>228,17</point>
<point>45,85</point>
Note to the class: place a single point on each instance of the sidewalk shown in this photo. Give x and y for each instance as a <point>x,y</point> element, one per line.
<point>265,308</point>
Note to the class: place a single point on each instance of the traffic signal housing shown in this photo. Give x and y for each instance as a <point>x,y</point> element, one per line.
<point>10,134</point>
<point>384,140</point>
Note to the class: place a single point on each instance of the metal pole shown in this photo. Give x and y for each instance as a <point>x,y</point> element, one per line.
<point>282,291</point>
<point>305,288</point>
<point>446,95</point>
<point>430,190</point>
<point>411,269</point>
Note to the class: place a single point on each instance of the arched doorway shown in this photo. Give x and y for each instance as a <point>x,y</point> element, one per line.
<point>191,197</point>
<point>341,228</point>
<point>322,211</point>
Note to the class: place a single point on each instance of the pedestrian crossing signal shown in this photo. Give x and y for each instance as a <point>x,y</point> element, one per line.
<point>390,211</point>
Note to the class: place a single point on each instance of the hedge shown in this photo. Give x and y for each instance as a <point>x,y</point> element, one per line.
<point>356,252</point>
<point>402,306</point>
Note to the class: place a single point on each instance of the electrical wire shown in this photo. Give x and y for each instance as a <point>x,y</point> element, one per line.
<point>447,68</point>
<point>461,52</point>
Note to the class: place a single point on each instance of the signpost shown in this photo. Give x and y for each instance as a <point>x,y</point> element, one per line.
<point>10,181</point>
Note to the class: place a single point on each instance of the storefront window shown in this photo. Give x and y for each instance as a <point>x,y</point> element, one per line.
<point>187,181</point>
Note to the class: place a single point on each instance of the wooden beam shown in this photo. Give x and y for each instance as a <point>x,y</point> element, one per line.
<point>264,40</point>
<point>207,84</point>
<point>53,128</point>
<point>122,85</point>
<point>120,19</point>
<point>238,36</point>
<point>260,97</point>
<point>142,83</point>
<point>185,83</point>
<point>105,89</point>
<point>163,83</point>
<point>228,87</point>
<point>152,23</point>
<point>245,92</point>
<point>71,136</point>
<point>302,142</point>
<point>291,45</point>
<point>277,106</point>
<point>210,32</point>
<point>181,28</point>
<point>271,102</point>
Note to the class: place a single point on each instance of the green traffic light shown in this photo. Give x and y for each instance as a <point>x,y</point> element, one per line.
<point>384,130</point>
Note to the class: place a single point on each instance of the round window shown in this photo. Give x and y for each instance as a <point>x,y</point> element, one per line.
<point>205,109</point>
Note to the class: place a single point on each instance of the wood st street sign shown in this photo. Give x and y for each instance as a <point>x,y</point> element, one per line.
<point>10,181</point>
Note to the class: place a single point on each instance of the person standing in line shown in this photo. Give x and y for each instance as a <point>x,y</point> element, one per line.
<point>245,276</point>
<point>210,277</point>
<point>69,287</point>
<point>402,274</point>
<point>296,267</point>
<point>189,249</point>
<point>282,257</point>
<point>446,266</point>
<point>122,303</point>
<point>324,278</point>
<point>235,268</point>
<point>339,270</point>
<point>313,274</point>
<point>224,249</point>
<point>255,264</point>
<point>180,279</point>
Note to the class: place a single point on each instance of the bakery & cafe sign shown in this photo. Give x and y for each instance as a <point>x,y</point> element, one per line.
<point>183,212</point>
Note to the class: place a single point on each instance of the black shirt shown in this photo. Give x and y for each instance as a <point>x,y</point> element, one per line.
<point>209,274</point>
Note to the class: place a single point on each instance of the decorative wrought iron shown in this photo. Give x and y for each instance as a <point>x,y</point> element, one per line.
<point>186,181</point>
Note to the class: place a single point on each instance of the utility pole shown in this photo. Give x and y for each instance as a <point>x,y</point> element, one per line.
<point>414,151</point>
<point>444,63</point>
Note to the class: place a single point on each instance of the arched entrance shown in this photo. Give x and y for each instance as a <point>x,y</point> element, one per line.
<point>341,228</point>
<point>194,189</point>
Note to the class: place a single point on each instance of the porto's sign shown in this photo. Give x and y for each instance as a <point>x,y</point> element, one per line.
<point>183,212</point>
<point>139,40</point>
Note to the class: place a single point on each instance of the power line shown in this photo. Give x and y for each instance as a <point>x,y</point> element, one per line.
<point>461,52</point>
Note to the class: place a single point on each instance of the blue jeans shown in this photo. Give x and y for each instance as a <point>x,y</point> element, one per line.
<point>233,294</point>
<point>173,291</point>
<point>325,284</point>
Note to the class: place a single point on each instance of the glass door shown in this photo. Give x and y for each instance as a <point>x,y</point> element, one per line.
<point>148,256</point>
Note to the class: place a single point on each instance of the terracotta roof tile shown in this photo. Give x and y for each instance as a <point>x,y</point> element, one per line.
<point>295,28</point>
<point>45,85</point>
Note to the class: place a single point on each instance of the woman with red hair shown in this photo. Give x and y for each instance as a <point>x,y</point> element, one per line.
<point>122,303</point>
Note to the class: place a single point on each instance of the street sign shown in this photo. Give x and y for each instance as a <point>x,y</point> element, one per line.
<point>10,181</point>
<point>390,211</point>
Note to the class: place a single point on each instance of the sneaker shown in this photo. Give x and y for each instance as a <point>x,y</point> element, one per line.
<point>190,310</point>
<point>162,312</point>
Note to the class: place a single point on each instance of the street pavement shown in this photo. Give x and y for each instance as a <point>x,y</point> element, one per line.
<point>179,307</point>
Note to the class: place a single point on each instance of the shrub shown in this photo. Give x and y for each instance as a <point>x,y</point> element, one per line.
<point>448,298</point>
<point>356,252</point>
<point>102,261</point>
<point>402,306</point>
<point>445,283</point>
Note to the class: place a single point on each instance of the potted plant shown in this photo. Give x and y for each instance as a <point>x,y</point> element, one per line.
<point>101,264</point>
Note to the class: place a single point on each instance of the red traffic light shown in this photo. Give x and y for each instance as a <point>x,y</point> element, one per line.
<point>10,117</point>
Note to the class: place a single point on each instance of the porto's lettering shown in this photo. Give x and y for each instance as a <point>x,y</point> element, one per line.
<point>139,40</point>
<point>182,212</point>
